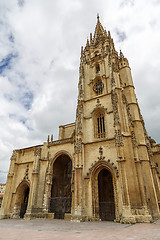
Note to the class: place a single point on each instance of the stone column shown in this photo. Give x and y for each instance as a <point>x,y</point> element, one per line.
<point>77,208</point>
<point>146,216</point>
<point>156,182</point>
<point>5,211</point>
<point>151,196</point>
<point>32,201</point>
<point>127,216</point>
<point>47,193</point>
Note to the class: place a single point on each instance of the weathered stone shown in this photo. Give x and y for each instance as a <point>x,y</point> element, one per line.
<point>103,166</point>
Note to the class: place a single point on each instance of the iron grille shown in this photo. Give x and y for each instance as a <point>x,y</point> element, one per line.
<point>59,206</point>
<point>106,211</point>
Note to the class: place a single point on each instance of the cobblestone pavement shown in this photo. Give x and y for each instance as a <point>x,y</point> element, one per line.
<point>19,229</point>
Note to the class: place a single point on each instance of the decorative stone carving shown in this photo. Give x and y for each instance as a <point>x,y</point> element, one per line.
<point>79,118</point>
<point>98,107</point>
<point>148,144</point>
<point>114,99</point>
<point>98,87</point>
<point>26,173</point>
<point>124,98</point>
<point>118,138</point>
<point>80,86</point>
<point>67,140</point>
<point>128,110</point>
<point>37,152</point>
<point>149,149</point>
<point>115,64</point>
<point>48,179</point>
<point>108,49</point>
<point>98,103</point>
<point>134,141</point>
<point>79,113</point>
<point>101,157</point>
<point>78,145</point>
<point>112,78</point>
<point>111,164</point>
<point>129,116</point>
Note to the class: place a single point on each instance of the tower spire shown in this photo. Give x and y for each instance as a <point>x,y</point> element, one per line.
<point>99,31</point>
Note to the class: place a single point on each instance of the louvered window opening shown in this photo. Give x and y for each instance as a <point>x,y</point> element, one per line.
<point>100,126</point>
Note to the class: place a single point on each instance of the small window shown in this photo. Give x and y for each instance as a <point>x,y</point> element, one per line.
<point>97,68</point>
<point>100,126</point>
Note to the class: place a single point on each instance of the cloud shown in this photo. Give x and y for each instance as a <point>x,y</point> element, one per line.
<point>21,3</point>
<point>128,3</point>
<point>6,62</point>
<point>40,49</point>
<point>121,35</point>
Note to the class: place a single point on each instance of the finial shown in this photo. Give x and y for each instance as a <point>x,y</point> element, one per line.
<point>48,139</point>
<point>90,37</point>
<point>82,51</point>
<point>97,16</point>
<point>52,138</point>
<point>87,44</point>
<point>121,55</point>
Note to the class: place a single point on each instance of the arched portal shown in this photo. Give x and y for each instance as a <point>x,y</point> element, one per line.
<point>61,197</point>
<point>24,203</point>
<point>21,199</point>
<point>104,192</point>
<point>106,196</point>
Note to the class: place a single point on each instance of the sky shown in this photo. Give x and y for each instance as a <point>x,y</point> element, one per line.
<point>40,42</point>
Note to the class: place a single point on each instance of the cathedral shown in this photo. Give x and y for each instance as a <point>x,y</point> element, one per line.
<point>104,166</point>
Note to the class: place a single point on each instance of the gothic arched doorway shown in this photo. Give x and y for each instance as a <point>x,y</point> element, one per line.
<point>21,199</point>
<point>61,196</point>
<point>24,203</point>
<point>106,196</point>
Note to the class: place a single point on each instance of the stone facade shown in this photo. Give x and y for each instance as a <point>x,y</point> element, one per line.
<point>2,190</point>
<point>104,166</point>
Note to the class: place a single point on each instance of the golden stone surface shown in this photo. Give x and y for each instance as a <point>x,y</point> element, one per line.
<point>104,166</point>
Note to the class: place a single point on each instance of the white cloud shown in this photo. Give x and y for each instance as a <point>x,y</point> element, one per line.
<point>38,89</point>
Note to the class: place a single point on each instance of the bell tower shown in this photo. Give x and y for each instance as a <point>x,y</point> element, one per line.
<point>110,139</point>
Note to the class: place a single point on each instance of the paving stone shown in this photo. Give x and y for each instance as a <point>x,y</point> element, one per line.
<point>18,229</point>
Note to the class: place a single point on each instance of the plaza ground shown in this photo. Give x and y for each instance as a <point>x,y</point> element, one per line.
<point>51,229</point>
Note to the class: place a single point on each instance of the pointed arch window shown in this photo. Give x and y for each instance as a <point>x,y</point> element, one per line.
<point>100,125</point>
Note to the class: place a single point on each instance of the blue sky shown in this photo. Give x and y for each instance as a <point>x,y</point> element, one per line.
<point>40,45</point>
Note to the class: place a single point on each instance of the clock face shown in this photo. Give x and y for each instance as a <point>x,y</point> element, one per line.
<point>98,87</point>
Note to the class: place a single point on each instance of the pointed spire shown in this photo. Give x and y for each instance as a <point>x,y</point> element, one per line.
<point>99,30</point>
<point>90,38</point>
<point>105,33</point>
<point>87,44</point>
<point>82,52</point>
<point>52,138</point>
<point>109,34</point>
<point>121,55</point>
